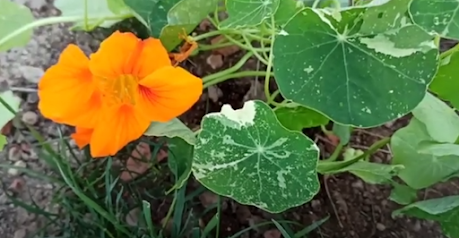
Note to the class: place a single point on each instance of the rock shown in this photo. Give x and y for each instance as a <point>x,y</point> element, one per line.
<point>15,171</point>
<point>358,184</point>
<point>274,233</point>
<point>17,185</point>
<point>31,74</point>
<point>30,118</point>
<point>208,199</point>
<point>214,93</point>
<point>256,91</point>
<point>215,61</point>
<point>21,233</point>
<point>380,227</point>
<point>132,218</point>
<point>32,98</point>
<point>14,153</point>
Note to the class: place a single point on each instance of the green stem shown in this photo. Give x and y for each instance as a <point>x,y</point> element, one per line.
<point>269,64</point>
<point>376,146</point>
<point>251,48</point>
<point>231,70</point>
<point>49,21</point>
<point>171,209</point>
<point>204,47</point>
<point>234,75</point>
<point>334,156</point>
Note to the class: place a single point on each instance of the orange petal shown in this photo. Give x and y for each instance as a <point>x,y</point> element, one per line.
<point>66,91</point>
<point>168,92</point>
<point>82,136</point>
<point>117,55</point>
<point>118,127</point>
<point>153,57</point>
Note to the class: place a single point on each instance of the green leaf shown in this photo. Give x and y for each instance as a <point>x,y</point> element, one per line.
<point>343,132</point>
<point>441,121</point>
<point>295,117</point>
<point>402,194</point>
<point>437,149</point>
<point>287,9</point>
<point>446,83</point>
<point>13,102</point>
<point>385,17</point>
<point>443,210</point>
<point>168,19</point>
<point>323,63</point>
<point>405,144</point>
<point>13,17</point>
<point>179,160</point>
<point>440,16</point>
<point>93,13</point>
<point>373,173</point>
<point>3,142</point>
<point>246,154</point>
<point>243,13</point>
<point>171,129</point>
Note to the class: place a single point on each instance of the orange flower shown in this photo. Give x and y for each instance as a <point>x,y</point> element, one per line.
<point>113,97</point>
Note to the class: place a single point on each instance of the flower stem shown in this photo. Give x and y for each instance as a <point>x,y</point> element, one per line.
<point>234,75</point>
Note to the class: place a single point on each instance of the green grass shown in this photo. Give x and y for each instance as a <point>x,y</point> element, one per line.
<point>94,201</point>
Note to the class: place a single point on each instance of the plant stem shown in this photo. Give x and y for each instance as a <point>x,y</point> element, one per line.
<point>376,146</point>
<point>334,156</point>
<point>269,65</point>
<point>234,75</point>
<point>225,72</point>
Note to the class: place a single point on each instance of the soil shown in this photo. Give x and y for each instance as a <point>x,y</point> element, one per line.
<point>355,209</point>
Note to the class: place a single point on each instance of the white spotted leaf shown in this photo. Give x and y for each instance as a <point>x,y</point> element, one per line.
<point>246,154</point>
<point>440,16</point>
<point>248,12</point>
<point>323,62</point>
<point>171,129</point>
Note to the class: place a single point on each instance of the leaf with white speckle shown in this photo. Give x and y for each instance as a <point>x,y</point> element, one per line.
<point>440,16</point>
<point>242,13</point>
<point>444,210</point>
<point>246,154</point>
<point>322,62</point>
<point>296,117</point>
<point>388,16</point>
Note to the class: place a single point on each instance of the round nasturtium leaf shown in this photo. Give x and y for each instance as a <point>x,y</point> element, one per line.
<point>246,154</point>
<point>248,12</point>
<point>322,62</point>
<point>440,16</point>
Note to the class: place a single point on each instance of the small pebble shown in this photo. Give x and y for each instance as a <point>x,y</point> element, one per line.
<point>21,233</point>
<point>380,227</point>
<point>30,118</point>
<point>14,153</point>
<point>214,93</point>
<point>32,98</point>
<point>215,61</point>
<point>31,74</point>
<point>15,171</point>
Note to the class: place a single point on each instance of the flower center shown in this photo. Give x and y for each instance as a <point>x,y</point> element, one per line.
<point>122,90</point>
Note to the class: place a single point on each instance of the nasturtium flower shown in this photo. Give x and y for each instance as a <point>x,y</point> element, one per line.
<point>113,96</point>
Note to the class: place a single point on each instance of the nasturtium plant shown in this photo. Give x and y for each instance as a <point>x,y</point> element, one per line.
<point>2,142</point>
<point>171,129</point>
<point>13,17</point>
<point>296,117</point>
<point>91,14</point>
<point>169,20</point>
<point>405,145</point>
<point>242,13</point>
<point>322,61</point>
<point>446,84</point>
<point>443,210</point>
<point>179,160</point>
<point>437,16</point>
<point>246,154</point>
<point>7,112</point>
